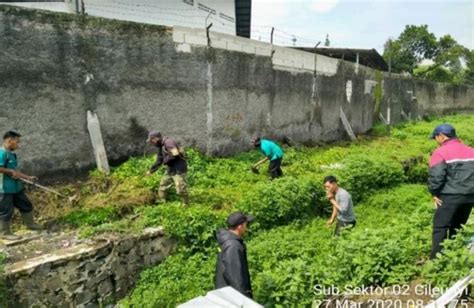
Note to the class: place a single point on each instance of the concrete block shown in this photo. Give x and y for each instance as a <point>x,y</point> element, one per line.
<point>298,63</point>
<point>216,43</point>
<point>289,63</point>
<point>308,61</point>
<point>178,36</point>
<point>195,39</point>
<point>248,49</point>
<point>278,61</point>
<point>233,46</point>
<point>326,65</point>
<point>308,65</point>
<point>263,51</point>
<point>184,48</point>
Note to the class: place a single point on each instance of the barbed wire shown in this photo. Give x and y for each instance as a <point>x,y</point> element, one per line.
<point>176,18</point>
<point>281,36</point>
<point>165,15</point>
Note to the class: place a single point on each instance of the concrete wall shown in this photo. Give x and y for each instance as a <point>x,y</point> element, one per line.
<point>87,275</point>
<point>54,67</point>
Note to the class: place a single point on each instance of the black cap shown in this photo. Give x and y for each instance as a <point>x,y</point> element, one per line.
<point>446,129</point>
<point>238,218</point>
<point>153,134</point>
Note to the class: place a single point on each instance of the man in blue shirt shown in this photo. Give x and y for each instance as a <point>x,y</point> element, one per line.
<point>273,153</point>
<point>11,190</point>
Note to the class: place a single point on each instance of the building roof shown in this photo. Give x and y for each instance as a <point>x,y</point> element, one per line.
<point>367,57</point>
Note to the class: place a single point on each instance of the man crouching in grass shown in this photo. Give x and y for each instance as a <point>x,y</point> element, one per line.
<point>342,206</point>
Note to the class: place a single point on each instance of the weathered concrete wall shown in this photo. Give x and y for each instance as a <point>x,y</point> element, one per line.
<point>54,67</point>
<point>87,275</point>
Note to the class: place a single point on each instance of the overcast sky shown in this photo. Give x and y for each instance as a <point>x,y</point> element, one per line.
<point>359,23</point>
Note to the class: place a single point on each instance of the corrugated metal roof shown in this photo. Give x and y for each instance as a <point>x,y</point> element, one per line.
<point>367,57</point>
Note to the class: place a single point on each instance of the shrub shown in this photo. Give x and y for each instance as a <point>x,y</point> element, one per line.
<point>194,227</point>
<point>363,175</point>
<point>289,283</point>
<point>91,217</point>
<point>179,278</point>
<point>455,261</point>
<point>279,202</point>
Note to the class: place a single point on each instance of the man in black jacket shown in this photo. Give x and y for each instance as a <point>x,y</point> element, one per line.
<point>451,183</point>
<point>232,267</point>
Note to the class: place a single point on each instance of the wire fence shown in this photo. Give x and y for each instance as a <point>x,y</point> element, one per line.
<point>168,13</point>
<point>183,13</point>
<point>280,37</point>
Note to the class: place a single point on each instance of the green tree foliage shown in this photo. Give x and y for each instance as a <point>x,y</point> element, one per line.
<point>451,62</point>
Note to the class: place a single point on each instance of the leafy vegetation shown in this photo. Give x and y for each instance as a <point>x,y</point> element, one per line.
<point>290,249</point>
<point>450,61</point>
<point>4,291</point>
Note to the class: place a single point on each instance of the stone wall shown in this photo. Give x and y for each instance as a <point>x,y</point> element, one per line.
<point>87,275</point>
<point>136,77</point>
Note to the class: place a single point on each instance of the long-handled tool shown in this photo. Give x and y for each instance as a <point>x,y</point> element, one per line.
<point>254,168</point>
<point>71,199</point>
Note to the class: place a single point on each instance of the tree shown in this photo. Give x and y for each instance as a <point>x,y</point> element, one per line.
<point>327,42</point>
<point>469,72</point>
<point>434,73</point>
<point>400,60</point>
<point>415,44</point>
<point>449,53</point>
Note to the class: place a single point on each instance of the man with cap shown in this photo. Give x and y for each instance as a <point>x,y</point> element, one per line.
<point>273,153</point>
<point>173,156</point>
<point>451,183</point>
<point>232,267</point>
<point>11,190</point>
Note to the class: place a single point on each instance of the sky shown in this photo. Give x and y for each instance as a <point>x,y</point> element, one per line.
<point>359,23</point>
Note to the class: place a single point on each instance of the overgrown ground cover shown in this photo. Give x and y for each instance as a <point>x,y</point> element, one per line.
<point>290,250</point>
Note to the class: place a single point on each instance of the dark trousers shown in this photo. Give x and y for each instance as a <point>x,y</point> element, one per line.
<point>448,218</point>
<point>342,224</point>
<point>9,201</point>
<point>274,168</point>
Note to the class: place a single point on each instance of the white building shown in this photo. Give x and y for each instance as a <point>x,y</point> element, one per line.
<point>227,16</point>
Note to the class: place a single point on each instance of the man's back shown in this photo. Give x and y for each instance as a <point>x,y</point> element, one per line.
<point>344,199</point>
<point>452,169</point>
<point>271,149</point>
<point>232,267</point>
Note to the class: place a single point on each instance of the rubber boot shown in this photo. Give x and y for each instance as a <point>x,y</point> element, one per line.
<point>29,221</point>
<point>162,196</point>
<point>6,233</point>
<point>185,199</point>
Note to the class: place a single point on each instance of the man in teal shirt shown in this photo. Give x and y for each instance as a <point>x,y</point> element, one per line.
<point>273,153</point>
<point>11,190</point>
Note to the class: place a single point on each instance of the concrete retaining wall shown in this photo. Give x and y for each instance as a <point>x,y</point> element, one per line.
<point>87,275</point>
<point>54,67</point>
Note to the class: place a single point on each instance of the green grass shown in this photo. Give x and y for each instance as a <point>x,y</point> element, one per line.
<point>290,249</point>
